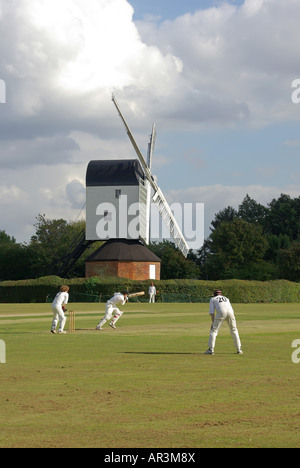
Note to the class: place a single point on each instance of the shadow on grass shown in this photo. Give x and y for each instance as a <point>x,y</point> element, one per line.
<point>171,353</point>
<point>159,352</point>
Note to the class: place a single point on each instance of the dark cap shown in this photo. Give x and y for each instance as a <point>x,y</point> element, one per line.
<point>217,292</point>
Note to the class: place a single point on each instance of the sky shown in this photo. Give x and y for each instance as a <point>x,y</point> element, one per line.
<point>163,10</point>
<point>216,77</point>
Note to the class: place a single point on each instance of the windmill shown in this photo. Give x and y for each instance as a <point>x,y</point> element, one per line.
<point>108,182</point>
<point>150,185</point>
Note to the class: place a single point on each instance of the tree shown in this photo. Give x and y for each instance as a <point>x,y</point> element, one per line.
<point>15,261</point>
<point>251,211</point>
<point>174,264</point>
<point>6,239</point>
<point>14,258</point>
<point>267,249</point>
<point>234,245</point>
<point>275,244</point>
<point>226,215</point>
<point>53,238</point>
<point>283,217</point>
<point>289,262</point>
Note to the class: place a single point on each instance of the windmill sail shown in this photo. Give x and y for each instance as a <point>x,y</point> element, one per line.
<point>158,197</point>
<point>147,184</point>
<point>151,146</point>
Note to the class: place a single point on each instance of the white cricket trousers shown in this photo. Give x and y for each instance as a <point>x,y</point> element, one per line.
<point>219,319</point>
<point>152,298</point>
<point>58,315</point>
<point>110,311</point>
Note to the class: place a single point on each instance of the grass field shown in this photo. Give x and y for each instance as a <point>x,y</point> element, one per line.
<point>148,383</point>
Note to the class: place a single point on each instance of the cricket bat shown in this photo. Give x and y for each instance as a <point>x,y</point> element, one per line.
<point>136,294</point>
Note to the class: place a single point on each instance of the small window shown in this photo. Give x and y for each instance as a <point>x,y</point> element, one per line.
<point>118,193</point>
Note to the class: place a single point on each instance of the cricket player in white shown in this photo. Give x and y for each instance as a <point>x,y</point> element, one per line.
<point>112,311</point>
<point>222,306</point>
<point>152,293</point>
<point>62,298</point>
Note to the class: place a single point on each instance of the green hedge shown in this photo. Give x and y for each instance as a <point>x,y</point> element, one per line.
<point>239,291</point>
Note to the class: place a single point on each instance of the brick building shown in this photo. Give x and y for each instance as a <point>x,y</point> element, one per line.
<point>124,258</point>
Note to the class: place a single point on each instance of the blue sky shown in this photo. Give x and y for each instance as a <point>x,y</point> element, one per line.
<point>218,84</point>
<point>168,9</point>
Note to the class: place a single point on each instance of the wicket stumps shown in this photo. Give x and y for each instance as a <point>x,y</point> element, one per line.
<point>71,321</point>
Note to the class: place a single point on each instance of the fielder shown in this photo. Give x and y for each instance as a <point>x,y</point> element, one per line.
<point>61,299</point>
<point>111,310</point>
<point>152,293</point>
<point>222,305</point>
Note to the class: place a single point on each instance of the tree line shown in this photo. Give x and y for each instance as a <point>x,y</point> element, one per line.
<point>254,242</point>
<point>40,257</point>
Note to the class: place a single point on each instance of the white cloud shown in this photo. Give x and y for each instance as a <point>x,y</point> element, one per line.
<point>75,191</point>
<point>54,50</point>
<point>238,62</point>
<point>10,194</point>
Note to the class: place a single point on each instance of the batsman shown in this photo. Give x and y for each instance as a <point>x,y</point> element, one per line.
<point>112,311</point>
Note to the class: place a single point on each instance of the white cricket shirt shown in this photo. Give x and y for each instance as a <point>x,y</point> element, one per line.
<point>220,304</point>
<point>118,298</point>
<point>60,299</point>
